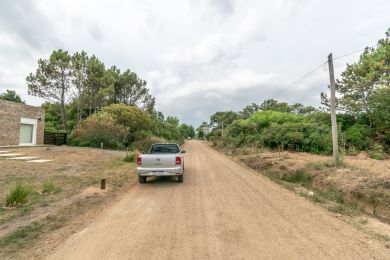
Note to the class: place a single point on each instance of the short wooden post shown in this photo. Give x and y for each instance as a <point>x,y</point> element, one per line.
<point>103,184</point>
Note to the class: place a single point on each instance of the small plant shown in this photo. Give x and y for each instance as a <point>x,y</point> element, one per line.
<point>131,157</point>
<point>333,194</point>
<point>49,187</point>
<point>299,176</point>
<point>18,195</point>
<point>377,152</point>
<point>317,199</point>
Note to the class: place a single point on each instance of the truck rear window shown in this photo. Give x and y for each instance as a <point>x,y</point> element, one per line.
<point>164,148</point>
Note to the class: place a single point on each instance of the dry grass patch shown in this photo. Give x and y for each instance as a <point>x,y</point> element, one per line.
<point>51,196</point>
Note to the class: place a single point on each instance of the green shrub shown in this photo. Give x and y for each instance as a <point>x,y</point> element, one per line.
<point>358,136</point>
<point>377,152</point>
<point>49,187</point>
<point>99,128</point>
<point>18,195</point>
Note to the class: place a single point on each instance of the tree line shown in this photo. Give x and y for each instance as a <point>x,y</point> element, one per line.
<point>363,105</point>
<point>84,82</point>
<point>96,105</point>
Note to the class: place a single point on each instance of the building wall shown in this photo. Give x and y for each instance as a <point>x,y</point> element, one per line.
<point>10,115</point>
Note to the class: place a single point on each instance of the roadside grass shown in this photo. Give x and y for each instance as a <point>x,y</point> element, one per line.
<point>67,191</point>
<point>300,176</point>
<point>18,195</point>
<point>50,187</point>
<point>13,244</point>
<point>19,236</point>
<point>300,181</point>
<point>131,157</point>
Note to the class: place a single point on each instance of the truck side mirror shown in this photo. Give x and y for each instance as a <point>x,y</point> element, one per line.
<point>183,151</point>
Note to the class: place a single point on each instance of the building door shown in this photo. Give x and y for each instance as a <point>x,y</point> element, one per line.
<point>26,134</point>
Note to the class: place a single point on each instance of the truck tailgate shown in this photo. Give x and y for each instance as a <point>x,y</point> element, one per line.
<point>158,160</point>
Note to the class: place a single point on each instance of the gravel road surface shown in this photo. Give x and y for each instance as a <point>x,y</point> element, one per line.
<point>222,210</point>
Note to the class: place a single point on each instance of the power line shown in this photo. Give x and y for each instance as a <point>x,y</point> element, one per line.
<point>300,79</point>
<point>316,68</point>
<point>354,52</point>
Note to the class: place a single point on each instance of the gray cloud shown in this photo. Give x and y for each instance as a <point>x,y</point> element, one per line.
<point>198,56</point>
<point>27,24</point>
<point>224,6</point>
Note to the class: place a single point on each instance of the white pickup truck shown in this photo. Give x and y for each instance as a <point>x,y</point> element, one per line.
<point>162,160</point>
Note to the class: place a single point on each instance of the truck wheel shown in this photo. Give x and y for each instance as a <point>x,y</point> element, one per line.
<point>141,179</point>
<point>180,178</point>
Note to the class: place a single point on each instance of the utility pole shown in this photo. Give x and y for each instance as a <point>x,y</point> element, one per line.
<point>222,129</point>
<point>333,110</point>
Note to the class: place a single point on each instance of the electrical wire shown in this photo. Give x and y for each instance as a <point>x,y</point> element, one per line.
<point>300,79</point>
<point>318,67</point>
<point>354,52</point>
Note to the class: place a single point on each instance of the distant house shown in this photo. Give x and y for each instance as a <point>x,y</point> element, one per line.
<point>21,124</point>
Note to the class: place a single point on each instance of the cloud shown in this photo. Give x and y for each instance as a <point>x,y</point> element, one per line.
<point>198,56</point>
<point>26,24</point>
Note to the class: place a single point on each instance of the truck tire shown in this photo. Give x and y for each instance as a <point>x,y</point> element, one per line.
<point>180,178</point>
<point>142,179</point>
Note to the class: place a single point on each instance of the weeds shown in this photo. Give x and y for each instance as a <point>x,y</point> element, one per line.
<point>333,195</point>
<point>322,165</point>
<point>299,176</point>
<point>18,195</point>
<point>343,209</point>
<point>29,232</point>
<point>131,157</point>
<point>49,187</point>
<point>377,152</point>
<point>316,198</point>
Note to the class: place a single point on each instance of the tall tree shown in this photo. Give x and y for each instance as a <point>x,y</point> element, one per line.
<point>52,80</point>
<point>274,105</point>
<point>249,110</point>
<point>300,109</point>
<point>11,95</point>
<point>98,85</point>
<point>172,120</point>
<point>79,67</point>
<point>225,118</point>
<point>132,90</point>
<point>380,104</point>
<point>360,80</point>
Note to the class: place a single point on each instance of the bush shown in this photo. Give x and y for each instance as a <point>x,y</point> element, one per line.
<point>358,136</point>
<point>99,128</point>
<point>279,130</point>
<point>49,187</point>
<point>18,195</point>
<point>377,152</point>
<point>145,143</point>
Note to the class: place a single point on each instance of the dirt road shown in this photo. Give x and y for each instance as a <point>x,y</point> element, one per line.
<point>221,211</point>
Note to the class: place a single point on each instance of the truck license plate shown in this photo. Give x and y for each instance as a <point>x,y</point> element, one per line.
<point>158,173</point>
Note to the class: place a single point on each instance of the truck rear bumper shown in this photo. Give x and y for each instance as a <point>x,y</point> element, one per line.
<point>159,171</point>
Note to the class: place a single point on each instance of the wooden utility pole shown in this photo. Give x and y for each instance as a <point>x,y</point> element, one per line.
<point>333,110</point>
<point>222,129</point>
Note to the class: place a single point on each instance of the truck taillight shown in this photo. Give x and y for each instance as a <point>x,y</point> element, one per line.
<point>139,160</point>
<point>178,160</point>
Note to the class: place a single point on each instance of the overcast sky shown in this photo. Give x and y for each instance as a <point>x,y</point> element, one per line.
<point>198,56</point>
